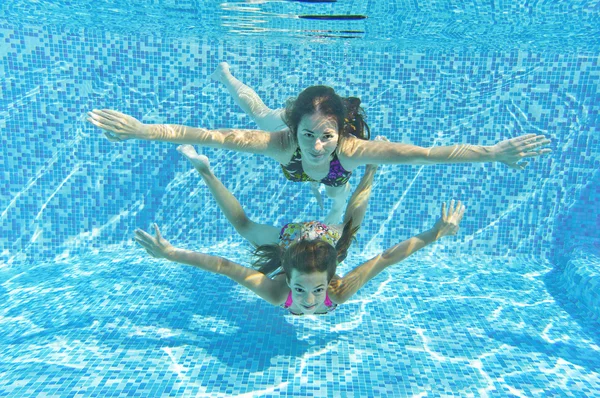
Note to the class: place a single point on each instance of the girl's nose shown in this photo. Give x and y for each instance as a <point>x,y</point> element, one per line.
<point>318,145</point>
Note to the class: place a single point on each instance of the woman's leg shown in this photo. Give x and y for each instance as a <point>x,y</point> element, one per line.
<point>257,234</point>
<point>357,206</point>
<point>339,196</point>
<point>266,118</point>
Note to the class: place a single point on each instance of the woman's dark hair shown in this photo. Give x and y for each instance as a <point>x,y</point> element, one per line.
<point>347,112</point>
<point>355,119</point>
<point>305,256</point>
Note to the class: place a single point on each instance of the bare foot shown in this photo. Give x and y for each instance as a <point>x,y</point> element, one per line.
<point>314,187</point>
<point>335,214</point>
<point>200,162</point>
<point>221,72</point>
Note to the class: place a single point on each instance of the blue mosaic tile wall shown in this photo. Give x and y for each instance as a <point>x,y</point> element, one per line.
<point>86,313</point>
<point>67,189</point>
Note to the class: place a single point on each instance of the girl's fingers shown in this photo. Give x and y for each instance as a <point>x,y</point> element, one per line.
<point>158,235</point>
<point>458,206</point>
<point>144,244</point>
<point>443,210</point>
<point>143,235</point>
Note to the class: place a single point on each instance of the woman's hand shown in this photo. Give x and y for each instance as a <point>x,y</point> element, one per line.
<point>512,151</point>
<point>118,126</point>
<point>449,222</point>
<point>156,246</point>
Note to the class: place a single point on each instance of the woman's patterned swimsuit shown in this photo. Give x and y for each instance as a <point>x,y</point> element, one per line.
<point>337,176</point>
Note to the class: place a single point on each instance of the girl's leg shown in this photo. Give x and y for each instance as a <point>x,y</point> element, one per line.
<point>267,119</point>
<point>257,234</point>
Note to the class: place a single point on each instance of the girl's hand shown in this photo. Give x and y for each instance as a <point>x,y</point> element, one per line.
<point>118,126</point>
<point>448,223</point>
<point>512,151</point>
<point>156,246</point>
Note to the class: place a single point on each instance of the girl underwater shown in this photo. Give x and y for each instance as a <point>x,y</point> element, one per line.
<point>308,253</point>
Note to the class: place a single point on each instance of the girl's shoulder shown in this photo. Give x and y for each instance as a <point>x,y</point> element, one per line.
<point>284,289</point>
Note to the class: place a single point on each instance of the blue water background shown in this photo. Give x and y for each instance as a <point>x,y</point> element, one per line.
<point>509,307</point>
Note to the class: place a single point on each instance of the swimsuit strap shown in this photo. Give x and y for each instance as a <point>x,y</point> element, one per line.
<point>328,303</point>
<point>336,176</point>
<point>289,301</point>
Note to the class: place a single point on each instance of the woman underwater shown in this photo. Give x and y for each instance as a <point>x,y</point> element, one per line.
<point>317,146</point>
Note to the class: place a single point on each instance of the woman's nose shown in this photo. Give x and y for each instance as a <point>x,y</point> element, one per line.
<point>318,145</point>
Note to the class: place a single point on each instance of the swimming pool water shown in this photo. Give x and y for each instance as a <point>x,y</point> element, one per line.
<point>509,307</point>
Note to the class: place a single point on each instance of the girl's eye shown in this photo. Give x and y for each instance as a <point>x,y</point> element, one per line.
<point>319,291</point>
<point>299,290</point>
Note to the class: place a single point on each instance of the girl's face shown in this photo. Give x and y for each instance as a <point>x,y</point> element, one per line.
<point>317,137</point>
<point>308,290</point>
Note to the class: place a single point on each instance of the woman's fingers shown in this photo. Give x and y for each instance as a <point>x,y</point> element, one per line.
<point>112,137</point>
<point>525,137</point>
<point>108,114</point>
<point>114,114</point>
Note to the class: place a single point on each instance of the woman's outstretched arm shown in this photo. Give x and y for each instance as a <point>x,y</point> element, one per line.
<point>512,152</point>
<point>448,224</point>
<point>270,290</point>
<point>120,127</point>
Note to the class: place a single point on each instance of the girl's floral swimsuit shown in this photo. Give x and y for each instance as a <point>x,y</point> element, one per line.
<point>337,176</point>
<point>311,230</point>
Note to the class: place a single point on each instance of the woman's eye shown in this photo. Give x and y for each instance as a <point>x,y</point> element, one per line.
<point>319,291</point>
<point>299,290</point>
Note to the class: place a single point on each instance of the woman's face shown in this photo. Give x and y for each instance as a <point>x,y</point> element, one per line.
<point>317,137</point>
<point>308,290</point>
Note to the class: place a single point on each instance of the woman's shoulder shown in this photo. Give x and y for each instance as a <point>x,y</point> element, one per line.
<point>348,152</point>
<point>286,146</point>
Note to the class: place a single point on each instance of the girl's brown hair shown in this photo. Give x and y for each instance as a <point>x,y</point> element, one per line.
<point>305,256</point>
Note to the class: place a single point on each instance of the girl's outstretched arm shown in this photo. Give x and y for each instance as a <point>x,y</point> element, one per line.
<point>273,291</point>
<point>511,152</point>
<point>448,224</point>
<point>120,127</point>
